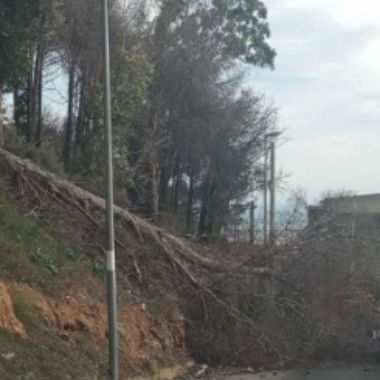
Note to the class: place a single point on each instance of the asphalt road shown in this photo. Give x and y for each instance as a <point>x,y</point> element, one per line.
<point>354,373</point>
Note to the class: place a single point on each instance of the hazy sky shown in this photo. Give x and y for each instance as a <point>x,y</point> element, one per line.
<point>327,87</point>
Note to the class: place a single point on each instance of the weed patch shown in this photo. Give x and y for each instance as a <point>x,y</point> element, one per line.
<point>25,311</point>
<point>45,261</point>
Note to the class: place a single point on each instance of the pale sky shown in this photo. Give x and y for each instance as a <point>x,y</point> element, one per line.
<point>327,88</point>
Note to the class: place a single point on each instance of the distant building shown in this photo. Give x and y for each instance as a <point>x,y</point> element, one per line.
<point>357,215</point>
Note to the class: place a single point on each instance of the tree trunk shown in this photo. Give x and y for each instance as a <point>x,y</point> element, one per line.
<point>1,118</point>
<point>190,201</point>
<point>172,187</point>
<point>171,246</point>
<point>153,186</point>
<point>37,83</point>
<point>31,113</point>
<point>87,128</point>
<point>204,208</point>
<point>153,167</point>
<point>163,188</point>
<point>211,210</point>
<point>38,92</point>
<point>69,124</point>
<point>19,109</point>
<point>80,120</point>
<point>177,185</point>
<point>16,109</point>
<point>252,224</point>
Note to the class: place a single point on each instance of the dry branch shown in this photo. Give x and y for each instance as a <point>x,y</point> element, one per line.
<point>202,279</point>
<point>174,248</point>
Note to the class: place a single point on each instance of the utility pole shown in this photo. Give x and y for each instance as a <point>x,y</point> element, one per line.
<point>113,360</point>
<point>272,136</point>
<point>272,236</point>
<point>252,237</point>
<point>265,222</point>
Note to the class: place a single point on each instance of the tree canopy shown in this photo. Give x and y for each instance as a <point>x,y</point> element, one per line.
<point>17,20</point>
<point>188,140</point>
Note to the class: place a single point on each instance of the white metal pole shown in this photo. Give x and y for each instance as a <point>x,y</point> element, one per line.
<point>110,242</point>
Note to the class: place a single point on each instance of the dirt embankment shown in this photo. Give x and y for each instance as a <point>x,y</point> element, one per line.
<point>137,329</point>
<point>141,336</point>
<point>8,319</point>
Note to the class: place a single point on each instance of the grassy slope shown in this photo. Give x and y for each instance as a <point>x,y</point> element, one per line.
<point>31,253</point>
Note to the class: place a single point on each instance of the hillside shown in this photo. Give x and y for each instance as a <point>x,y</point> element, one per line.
<point>52,296</point>
<point>295,304</point>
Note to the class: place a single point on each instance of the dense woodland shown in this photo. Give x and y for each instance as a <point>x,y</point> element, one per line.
<point>188,133</point>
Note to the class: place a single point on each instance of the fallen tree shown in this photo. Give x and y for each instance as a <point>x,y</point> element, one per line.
<point>88,204</point>
<point>241,314</point>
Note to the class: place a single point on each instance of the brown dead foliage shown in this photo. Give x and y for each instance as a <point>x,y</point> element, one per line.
<point>138,331</point>
<point>8,319</point>
<point>279,307</point>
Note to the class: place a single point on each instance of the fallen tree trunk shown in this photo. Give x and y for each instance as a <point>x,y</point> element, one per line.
<point>175,248</point>
<point>225,305</point>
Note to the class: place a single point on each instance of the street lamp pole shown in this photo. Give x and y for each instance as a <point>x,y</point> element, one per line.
<point>110,238</point>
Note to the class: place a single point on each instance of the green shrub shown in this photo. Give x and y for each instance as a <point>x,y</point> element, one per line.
<point>45,261</point>
<point>99,269</point>
<point>44,156</point>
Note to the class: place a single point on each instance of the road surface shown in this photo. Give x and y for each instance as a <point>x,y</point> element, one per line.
<point>354,373</point>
